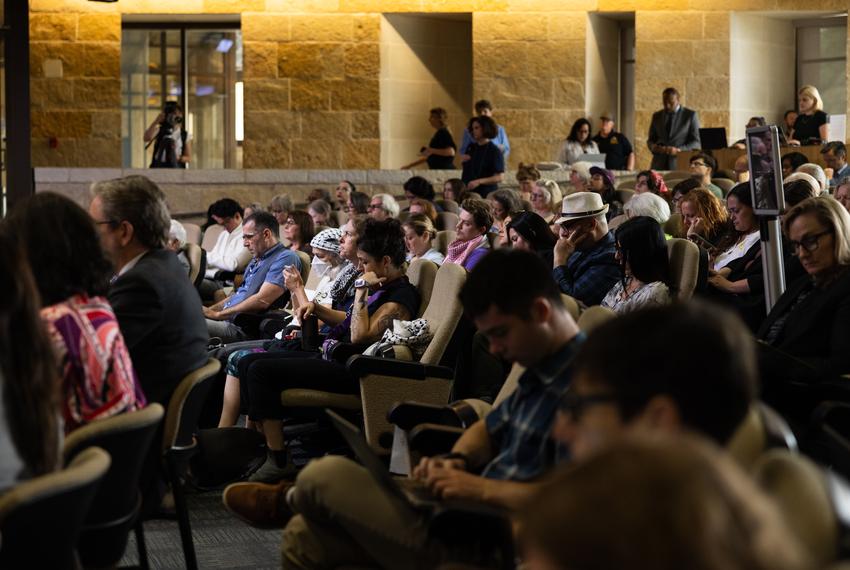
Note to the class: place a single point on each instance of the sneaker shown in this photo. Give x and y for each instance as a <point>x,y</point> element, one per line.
<point>259,504</point>
<point>269,472</point>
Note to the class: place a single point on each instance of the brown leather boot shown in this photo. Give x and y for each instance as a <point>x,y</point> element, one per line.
<point>261,505</point>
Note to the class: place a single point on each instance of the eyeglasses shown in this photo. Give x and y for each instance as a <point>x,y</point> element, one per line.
<point>698,164</point>
<point>537,196</point>
<point>373,207</point>
<point>576,404</point>
<point>809,243</point>
<point>248,236</point>
<point>103,222</point>
<point>289,222</point>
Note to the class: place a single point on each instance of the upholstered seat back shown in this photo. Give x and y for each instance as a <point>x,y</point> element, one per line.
<point>684,267</point>
<point>444,311</point>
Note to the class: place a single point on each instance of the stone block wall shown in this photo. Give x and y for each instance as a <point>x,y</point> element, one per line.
<point>312,95</point>
<point>76,118</point>
<point>531,66</point>
<point>312,71</point>
<point>685,50</point>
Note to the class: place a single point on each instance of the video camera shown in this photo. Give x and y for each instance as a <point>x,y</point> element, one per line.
<point>172,119</point>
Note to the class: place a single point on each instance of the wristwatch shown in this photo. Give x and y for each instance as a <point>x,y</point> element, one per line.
<point>360,283</point>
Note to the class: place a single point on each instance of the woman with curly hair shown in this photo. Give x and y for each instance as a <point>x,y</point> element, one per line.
<point>706,221</point>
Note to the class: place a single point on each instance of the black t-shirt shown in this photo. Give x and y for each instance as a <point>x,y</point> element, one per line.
<point>400,291</point>
<point>616,148</point>
<point>484,161</point>
<point>441,139</point>
<point>808,126</point>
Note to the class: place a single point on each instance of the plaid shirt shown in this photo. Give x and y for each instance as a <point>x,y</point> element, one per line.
<point>520,426</point>
<point>589,275</point>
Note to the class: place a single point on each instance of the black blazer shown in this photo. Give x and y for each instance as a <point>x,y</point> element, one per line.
<point>684,134</point>
<point>816,333</point>
<point>160,316</point>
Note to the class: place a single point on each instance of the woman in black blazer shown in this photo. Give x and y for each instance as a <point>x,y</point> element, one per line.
<point>806,336</point>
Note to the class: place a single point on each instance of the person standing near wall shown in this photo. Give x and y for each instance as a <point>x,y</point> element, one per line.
<point>440,152</point>
<point>484,108</point>
<point>672,130</point>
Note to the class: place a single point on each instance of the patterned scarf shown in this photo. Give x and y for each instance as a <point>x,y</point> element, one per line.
<point>343,285</point>
<point>459,250</point>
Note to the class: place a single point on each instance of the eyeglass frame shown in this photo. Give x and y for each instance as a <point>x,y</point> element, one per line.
<point>813,240</point>
<point>575,405</point>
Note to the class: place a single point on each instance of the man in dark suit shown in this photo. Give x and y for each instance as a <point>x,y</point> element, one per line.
<point>158,310</point>
<point>673,129</point>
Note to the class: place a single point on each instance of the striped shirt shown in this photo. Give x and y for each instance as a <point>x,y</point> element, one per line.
<point>520,427</point>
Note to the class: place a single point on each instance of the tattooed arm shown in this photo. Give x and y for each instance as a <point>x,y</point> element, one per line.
<point>366,329</point>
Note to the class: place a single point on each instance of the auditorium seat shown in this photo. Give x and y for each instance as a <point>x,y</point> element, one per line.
<point>384,381</point>
<point>443,239</point>
<point>684,267</point>
<point>127,438</point>
<point>724,184</point>
<point>40,519</point>
<point>193,233</point>
<point>179,445</point>
<point>812,499</point>
<point>762,429</point>
<point>594,316</point>
<point>674,226</point>
<point>197,257</point>
<point>446,221</point>
<point>448,205</point>
<point>211,236</point>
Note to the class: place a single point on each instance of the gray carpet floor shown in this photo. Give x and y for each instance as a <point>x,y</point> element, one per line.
<point>221,540</point>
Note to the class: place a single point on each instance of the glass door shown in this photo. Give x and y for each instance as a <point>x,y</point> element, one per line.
<point>156,63</point>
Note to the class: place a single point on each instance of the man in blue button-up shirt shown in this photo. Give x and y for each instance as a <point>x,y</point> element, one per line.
<point>263,283</point>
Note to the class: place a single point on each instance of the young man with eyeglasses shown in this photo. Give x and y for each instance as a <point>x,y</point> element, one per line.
<point>344,517</point>
<point>702,168</point>
<point>263,284</point>
<point>627,377</point>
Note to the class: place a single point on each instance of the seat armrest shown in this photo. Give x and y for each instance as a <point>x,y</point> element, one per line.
<point>249,323</point>
<point>360,365</point>
<point>408,415</point>
<point>344,351</point>
<point>433,439</point>
<point>226,276</point>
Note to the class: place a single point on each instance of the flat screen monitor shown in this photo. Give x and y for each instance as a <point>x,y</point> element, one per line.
<point>713,138</point>
<point>765,170</point>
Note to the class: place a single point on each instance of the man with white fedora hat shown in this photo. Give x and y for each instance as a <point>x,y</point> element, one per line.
<point>585,267</point>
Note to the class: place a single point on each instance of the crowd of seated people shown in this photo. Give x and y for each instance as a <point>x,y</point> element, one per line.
<point>577,397</point>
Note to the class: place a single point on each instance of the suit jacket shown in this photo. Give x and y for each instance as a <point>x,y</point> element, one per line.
<point>684,134</point>
<point>160,316</point>
<point>816,334</point>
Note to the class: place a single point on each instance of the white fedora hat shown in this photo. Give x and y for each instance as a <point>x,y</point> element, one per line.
<point>581,205</point>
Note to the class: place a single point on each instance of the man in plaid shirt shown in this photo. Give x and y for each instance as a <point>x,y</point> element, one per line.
<point>345,517</point>
<point>584,263</point>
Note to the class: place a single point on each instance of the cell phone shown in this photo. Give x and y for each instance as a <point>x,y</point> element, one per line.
<point>707,244</point>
